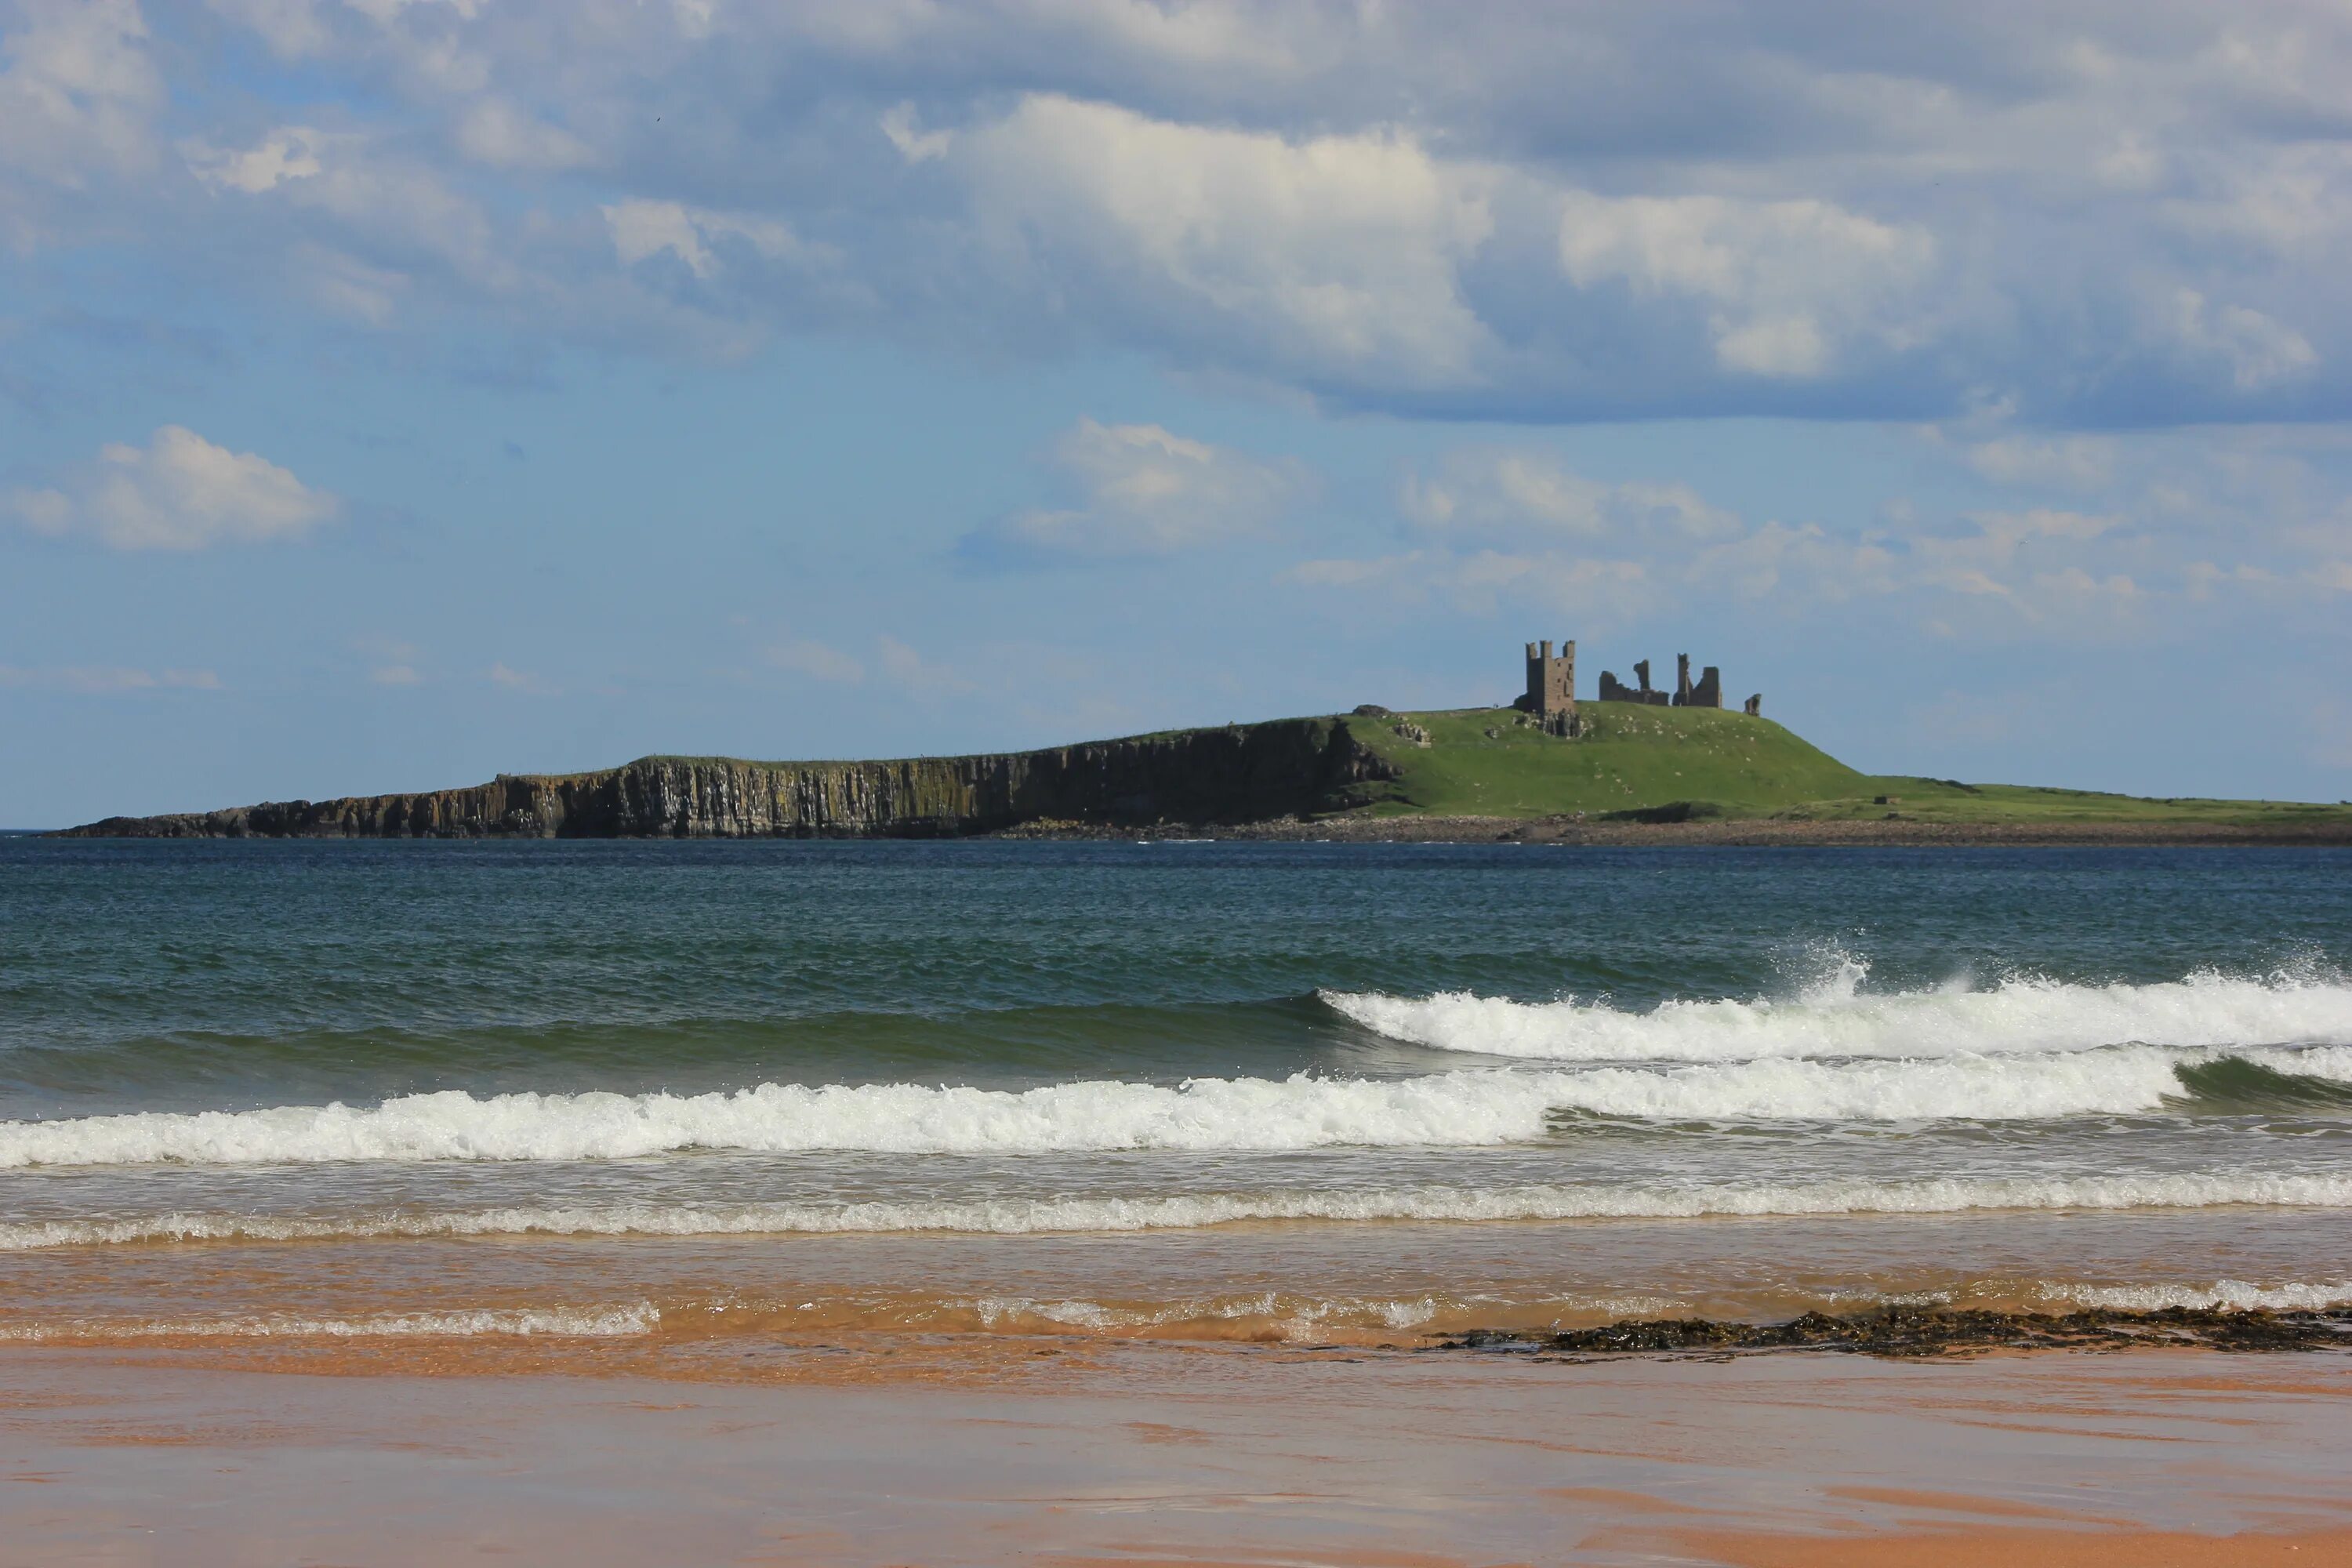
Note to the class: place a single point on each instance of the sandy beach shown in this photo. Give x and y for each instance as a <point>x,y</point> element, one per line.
<point>1179,1455</point>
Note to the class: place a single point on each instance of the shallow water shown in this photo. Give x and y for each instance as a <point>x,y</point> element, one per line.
<point>1176,1088</point>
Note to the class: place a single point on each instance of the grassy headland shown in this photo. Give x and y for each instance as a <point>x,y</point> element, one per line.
<point>1636,774</point>
<point>1636,763</point>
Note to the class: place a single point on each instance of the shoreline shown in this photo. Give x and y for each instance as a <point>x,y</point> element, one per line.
<point>1893,832</point>
<point>1726,833</point>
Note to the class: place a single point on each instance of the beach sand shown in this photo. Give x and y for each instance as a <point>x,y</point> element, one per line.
<point>1171,1454</point>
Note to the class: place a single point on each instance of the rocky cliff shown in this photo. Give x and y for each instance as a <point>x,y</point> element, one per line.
<point>1244,773</point>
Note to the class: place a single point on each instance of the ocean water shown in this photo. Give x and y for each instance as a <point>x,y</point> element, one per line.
<point>1350,1092</point>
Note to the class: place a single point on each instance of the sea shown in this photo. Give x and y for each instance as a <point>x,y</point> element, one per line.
<point>807,1095</point>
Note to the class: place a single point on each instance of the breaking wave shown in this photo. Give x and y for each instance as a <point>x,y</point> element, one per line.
<point>1464,1109</point>
<point>1835,1017</point>
<point>1034,1215</point>
<point>1470,1108</point>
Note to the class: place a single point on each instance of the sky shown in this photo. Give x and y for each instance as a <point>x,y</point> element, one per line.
<point>396,393</point>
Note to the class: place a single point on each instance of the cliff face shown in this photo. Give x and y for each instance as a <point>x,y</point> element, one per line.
<point>1242,773</point>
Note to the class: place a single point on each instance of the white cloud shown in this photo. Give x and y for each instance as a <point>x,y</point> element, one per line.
<point>385,206</point>
<point>1141,490</point>
<point>1512,527</point>
<point>291,28</point>
<point>1339,254</point>
<point>2258,351</point>
<point>2105,216</point>
<point>1505,493</point>
<point>641,230</point>
<point>288,152</point>
<point>79,92</point>
<point>179,492</point>
<point>345,286</point>
<point>916,146</point>
<point>1779,279</point>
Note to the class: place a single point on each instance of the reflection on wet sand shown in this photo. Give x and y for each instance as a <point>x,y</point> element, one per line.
<point>1168,1453</point>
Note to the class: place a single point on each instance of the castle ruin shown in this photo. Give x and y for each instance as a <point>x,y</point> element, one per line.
<point>1551,689</point>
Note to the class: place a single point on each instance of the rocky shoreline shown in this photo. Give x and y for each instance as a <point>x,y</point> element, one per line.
<point>1756,833</point>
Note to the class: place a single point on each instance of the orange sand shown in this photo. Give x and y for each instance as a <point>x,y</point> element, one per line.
<point>1168,1455</point>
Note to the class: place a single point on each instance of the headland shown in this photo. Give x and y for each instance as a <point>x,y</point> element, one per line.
<point>1638,766</point>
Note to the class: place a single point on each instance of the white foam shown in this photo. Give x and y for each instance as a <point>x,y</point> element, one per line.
<point>2331,1062</point>
<point>1183,1211</point>
<point>558,1322</point>
<point>1462,1108</point>
<point>2229,1295</point>
<point>1836,1018</point>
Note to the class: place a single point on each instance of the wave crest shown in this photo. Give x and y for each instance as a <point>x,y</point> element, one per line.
<point>1834,1017</point>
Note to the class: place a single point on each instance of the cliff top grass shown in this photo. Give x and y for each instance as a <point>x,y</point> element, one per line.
<point>1634,759</point>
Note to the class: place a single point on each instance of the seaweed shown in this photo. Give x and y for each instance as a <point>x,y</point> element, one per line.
<point>1919,1331</point>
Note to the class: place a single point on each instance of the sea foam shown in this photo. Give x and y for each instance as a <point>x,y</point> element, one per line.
<point>1835,1017</point>
<point>1466,1107</point>
<point>1024,1217</point>
<point>562,1322</point>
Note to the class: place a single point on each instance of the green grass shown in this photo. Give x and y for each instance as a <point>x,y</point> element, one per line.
<point>1484,761</point>
<point>1632,758</point>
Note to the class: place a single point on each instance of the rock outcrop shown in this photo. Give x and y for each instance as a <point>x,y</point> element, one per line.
<point>1243,773</point>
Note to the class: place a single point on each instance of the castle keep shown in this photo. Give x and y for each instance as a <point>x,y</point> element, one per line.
<point>1551,689</point>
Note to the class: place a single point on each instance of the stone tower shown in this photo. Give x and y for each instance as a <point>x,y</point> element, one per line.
<point>1551,687</point>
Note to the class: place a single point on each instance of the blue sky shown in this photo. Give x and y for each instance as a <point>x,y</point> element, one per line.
<point>396,392</point>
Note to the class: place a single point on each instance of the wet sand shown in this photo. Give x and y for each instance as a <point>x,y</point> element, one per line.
<point>1183,1455</point>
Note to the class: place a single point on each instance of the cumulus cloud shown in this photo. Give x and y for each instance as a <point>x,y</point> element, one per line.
<point>179,492</point>
<point>642,229</point>
<point>2123,216</point>
<point>1780,283</point>
<point>1143,491</point>
<point>1340,254</point>
<point>2258,349</point>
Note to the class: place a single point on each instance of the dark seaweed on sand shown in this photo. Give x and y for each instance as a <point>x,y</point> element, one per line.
<point>1906,1331</point>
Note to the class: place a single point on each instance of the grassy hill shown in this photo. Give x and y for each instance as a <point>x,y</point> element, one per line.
<point>1634,761</point>
<point>1633,764</point>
